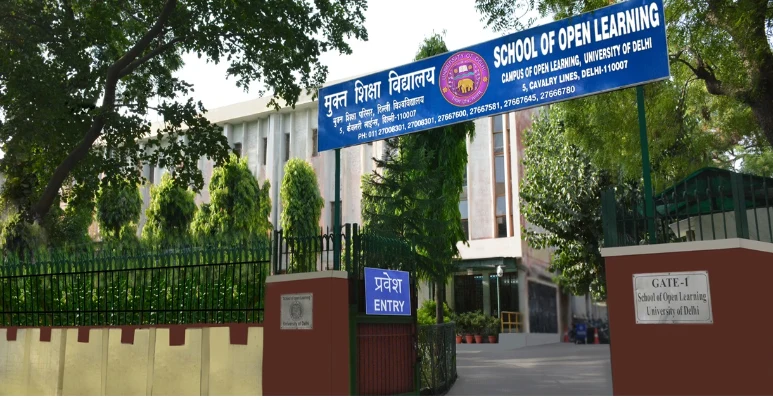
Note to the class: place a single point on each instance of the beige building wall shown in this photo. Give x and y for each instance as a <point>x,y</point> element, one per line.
<point>206,364</point>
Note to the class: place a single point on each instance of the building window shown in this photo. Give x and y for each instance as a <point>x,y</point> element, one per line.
<point>508,292</point>
<point>314,142</point>
<point>238,149</point>
<point>265,150</point>
<point>500,183</point>
<point>468,293</point>
<point>287,146</point>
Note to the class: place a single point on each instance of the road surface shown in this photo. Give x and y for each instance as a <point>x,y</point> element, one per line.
<point>557,370</point>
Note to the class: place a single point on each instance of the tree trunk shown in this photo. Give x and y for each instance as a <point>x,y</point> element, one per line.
<point>440,299</point>
<point>763,111</point>
<point>122,67</point>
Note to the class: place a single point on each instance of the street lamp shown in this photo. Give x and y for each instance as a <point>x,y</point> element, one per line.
<point>500,272</point>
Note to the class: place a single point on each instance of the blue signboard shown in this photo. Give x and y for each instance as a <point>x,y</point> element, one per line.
<point>611,48</point>
<point>387,292</point>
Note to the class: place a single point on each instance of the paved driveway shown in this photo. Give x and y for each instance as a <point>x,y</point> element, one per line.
<point>557,370</point>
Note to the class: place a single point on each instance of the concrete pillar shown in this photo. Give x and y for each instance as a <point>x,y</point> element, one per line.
<point>523,299</point>
<point>274,164</point>
<point>228,131</point>
<point>487,294</point>
<point>588,307</point>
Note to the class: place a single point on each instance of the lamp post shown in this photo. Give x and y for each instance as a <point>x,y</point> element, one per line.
<point>500,272</point>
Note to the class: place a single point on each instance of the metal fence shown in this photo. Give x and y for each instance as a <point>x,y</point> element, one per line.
<point>437,349</point>
<point>194,283</point>
<point>197,282</point>
<point>359,248</point>
<point>710,204</point>
<point>293,254</point>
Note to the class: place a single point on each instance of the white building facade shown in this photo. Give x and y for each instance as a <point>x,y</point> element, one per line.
<point>489,205</point>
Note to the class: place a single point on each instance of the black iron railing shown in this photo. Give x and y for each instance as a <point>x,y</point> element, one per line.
<point>710,204</point>
<point>201,282</point>
<point>204,283</point>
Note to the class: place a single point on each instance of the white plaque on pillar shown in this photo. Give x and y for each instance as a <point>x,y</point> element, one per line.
<point>672,298</point>
<point>297,311</point>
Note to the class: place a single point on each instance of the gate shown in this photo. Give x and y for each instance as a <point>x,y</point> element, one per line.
<point>383,349</point>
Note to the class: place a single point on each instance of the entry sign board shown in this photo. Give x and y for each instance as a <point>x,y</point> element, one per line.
<point>387,292</point>
<point>610,48</point>
<point>673,298</point>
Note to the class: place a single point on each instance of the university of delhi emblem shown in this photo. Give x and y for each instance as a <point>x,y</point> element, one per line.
<point>464,78</point>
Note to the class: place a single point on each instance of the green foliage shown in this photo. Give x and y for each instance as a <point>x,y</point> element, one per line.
<point>756,161</point>
<point>425,315</point>
<point>462,323</point>
<point>119,204</point>
<point>560,199</point>
<point>170,212</point>
<point>71,225</point>
<point>77,77</point>
<point>416,197</point>
<point>474,323</point>
<point>301,210</point>
<point>493,326</point>
<point>606,128</point>
<point>19,236</point>
<point>239,206</point>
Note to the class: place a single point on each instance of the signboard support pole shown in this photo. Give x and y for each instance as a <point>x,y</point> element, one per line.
<point>337,214</point>
<point>645,163</point>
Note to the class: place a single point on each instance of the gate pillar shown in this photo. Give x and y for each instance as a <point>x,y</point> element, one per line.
<point>690,319</point>
<point>306,334</point>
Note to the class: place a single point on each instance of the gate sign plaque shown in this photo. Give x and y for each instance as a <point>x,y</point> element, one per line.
<point>297,311</point>
<point>387,292</point>
<point>610,48</point>
<point>672,298</point>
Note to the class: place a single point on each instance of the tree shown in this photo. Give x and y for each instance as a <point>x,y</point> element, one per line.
<point>170,211</point>
<point>119,204</point>
<point>239,207</point>
<point>416,197</point>
<point>301,210</point>
<point>77,78</point>
<point>681,140</point>
<point>71,225</point>
<point>561,200</point>
<point>19,236</point>
<point>723,44</point>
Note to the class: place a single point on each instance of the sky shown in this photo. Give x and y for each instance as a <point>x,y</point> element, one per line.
<point>396,29</point>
